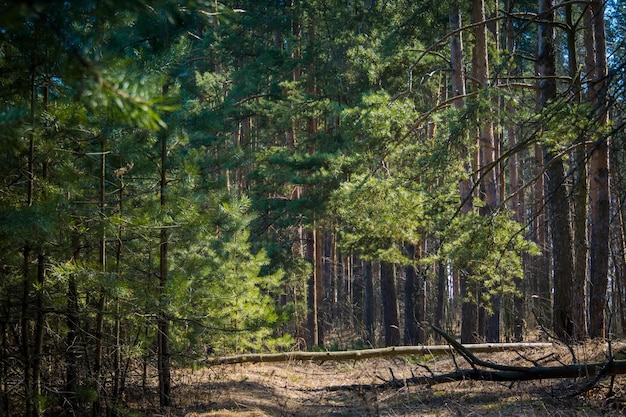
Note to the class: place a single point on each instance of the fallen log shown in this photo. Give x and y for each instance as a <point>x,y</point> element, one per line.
<point>595,370</point>
<point>371,353</point>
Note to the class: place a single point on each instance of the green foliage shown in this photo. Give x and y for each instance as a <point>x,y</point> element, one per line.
<point>488,249</point>
<point>219,292</point>
<point>566,126</point>
<point>376,124</point>
<point>375,216</point>
<point>275,117</point>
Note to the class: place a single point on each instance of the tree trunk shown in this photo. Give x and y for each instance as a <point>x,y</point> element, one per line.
<point>412,316</point>
<point>486,146</point>
<point>5,403</point>
<point>117,327</point>
<point>599,185</point>
<point>315,289</point>
<point>73,327</point>
<point>579,196</point>
<point>319,286</point>
<point>26,333</point>
<point>516,172</point>
<point>469,312</point>
<point>25,320</point>
<point>618,257</point>
<point>540,273</point>
<point>355,276</point>
<point>469,309</point>
<point>442,280</point>
<point>420,309</point>
<point>311,299</point>
<point>369,304</point>
<point>98,331</point>
<point>388,290</point>
<point>557,198</point>
<point>163,323</point>
<point>38,338</point>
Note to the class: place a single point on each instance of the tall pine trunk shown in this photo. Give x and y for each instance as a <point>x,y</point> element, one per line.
<point>314,289</point>
<point>469,309</point>
<point>25,319</point>
<point>389,293</point>
<point>98,333</point>
<point>72,350</point>
<point>163,323</point>
<point>413,303</point>
<point>599,185</point>
<point>516,171</point>
<point>579,195</point>
<point>486,147</point>
<point>369,305</point>
<point>557,198</point>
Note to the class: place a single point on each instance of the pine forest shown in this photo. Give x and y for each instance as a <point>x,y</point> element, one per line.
<point>184,180</point>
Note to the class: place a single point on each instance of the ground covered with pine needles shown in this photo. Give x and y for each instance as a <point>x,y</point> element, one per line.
<point>314,389</point>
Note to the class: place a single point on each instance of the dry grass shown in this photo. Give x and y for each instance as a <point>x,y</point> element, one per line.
<point>301,389</point>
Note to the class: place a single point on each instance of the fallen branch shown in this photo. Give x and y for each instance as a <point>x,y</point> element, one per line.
<point>371,353</point>
<point>595,370</point>
<point>490,371</point>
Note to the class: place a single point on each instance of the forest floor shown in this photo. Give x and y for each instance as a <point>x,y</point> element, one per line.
<point>302,389</point>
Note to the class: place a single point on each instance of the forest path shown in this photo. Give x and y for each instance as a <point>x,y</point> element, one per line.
<point>301,389</point>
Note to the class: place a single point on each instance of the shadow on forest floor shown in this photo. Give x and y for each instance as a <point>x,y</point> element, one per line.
<point>300,389</point>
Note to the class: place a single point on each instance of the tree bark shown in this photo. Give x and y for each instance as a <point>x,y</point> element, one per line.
<point>486,146</point>
<point>315,289</point>
<point>516,171</point>
<point>98,331</point>
<point>557,198</point>
<point>391,321</point>
<point>442,281</point>
<point>369,308</point>
<point>579,195</point>
<point>413,303</point>
<point>25,320</point>
<point>163,323</point>
<point>599,185</point>
<point>540,272</point>
<point>469,309</point>
<point>73,327</point>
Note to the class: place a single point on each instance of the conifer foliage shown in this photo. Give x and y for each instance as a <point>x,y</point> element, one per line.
<point>200,178</point>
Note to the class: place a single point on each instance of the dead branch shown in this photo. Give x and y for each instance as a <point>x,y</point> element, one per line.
<point>488,371</point>
<point>594,370</point>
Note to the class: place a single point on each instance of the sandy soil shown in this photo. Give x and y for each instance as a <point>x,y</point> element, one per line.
<point>302,389</point>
